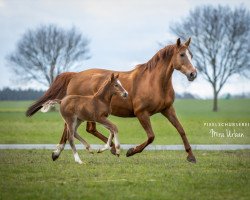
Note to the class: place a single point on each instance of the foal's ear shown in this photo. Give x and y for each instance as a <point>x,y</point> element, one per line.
<point>178,42</point>
<point>116,76</point>
<point>112,77</point>
<point>188,42</point>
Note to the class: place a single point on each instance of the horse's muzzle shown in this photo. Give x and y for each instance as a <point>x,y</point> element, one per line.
<point>124,94</point>
<point>191,76</point>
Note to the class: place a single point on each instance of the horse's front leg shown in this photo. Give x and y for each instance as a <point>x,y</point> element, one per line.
<point>171,116</point>
<point>146,124</point>
<point>113,133</point>
<point>91,128</point>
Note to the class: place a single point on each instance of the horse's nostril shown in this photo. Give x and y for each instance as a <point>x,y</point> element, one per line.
<point>192,75</point>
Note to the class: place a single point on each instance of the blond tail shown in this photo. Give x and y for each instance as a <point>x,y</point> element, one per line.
<point>48,104</point>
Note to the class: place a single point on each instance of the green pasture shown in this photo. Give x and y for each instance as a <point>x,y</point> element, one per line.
<point>31,174</point>
<point>47,127</point>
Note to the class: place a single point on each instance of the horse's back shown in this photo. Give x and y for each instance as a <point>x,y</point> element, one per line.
<point>89,81</point>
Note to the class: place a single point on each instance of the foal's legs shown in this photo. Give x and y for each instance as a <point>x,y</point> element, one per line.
<point>171,116</point>
<point>108,144</point>
<point>56,153</point>
<point>91,128</point>
<point>60,147</point>
<point>113,133</point>
<point>77,136</point>
<point>72,128</point>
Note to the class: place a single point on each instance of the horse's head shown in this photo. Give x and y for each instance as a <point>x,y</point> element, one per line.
<point>116,86</point>
<point>182,60</point>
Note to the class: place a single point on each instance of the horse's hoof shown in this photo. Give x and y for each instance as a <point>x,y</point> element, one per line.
<point>112,150</point>
<point>90,150</point>
<point>118,154</point>
<point>80,162</point>
<point>54,156</point>
<point>130,152</point>
<point>191,159</point>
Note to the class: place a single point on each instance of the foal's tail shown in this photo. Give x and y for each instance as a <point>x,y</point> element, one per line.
<point>46,106</point>
<point>57,90</point>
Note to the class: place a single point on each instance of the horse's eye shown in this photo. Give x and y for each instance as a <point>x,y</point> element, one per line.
<point>116,85</point>
<point>182,54</point>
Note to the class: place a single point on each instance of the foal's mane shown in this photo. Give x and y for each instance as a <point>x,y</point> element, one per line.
<point>164,53</point>
<point>102,87</point>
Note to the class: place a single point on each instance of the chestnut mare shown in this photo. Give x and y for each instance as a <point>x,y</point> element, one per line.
<point>149,86</point>
<point>75,109</point>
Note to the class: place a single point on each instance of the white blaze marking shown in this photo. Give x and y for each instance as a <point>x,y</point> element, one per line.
<point>119,83</point>
<point>121,86</point>
<point>189,56</point>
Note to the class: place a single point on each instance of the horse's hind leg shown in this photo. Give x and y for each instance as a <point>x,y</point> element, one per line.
<point>113,133</point>
<point>108,144</point>
<point>71,128</point>
<point>84,142</point>
<point>56,153</point>
<point>91,128</point>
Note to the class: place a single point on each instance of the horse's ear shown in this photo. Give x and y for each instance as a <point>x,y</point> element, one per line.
<point>112,77</point>
<point>188,42</point>
<point>178,42</point>
<point>116,76</point>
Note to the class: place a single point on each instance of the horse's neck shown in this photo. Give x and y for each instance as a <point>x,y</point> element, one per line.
<point>165,76</point>
<point>104,94</point>
<point>162,72</point>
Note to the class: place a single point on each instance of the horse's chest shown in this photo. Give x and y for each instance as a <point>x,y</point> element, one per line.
<point>153,103</point>
<point>150,104</point>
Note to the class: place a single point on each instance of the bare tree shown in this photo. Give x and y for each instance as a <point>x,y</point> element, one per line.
<point>221,43</point>
<point>47,51</point>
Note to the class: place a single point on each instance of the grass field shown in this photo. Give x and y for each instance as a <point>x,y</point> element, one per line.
<point>30,174</point>
<point>47,128</point>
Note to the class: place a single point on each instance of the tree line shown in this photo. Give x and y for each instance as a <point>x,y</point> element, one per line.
<point>8,94</point>
<point>19,94</point>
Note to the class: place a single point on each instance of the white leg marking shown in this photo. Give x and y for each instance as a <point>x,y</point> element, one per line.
<point>59,149</point>
<point>77,158</point>
<point>117,144</point>
<point>71,142</point>
<point>107,145</point>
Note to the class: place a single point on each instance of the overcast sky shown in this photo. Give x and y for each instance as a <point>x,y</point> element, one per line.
<point>122,33</point>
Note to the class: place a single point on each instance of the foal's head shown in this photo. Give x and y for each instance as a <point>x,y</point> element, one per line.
<point>182,60</point>
<point>116,86</point>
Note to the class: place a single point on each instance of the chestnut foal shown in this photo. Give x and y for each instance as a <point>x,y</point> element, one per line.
<point>96,108</point>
